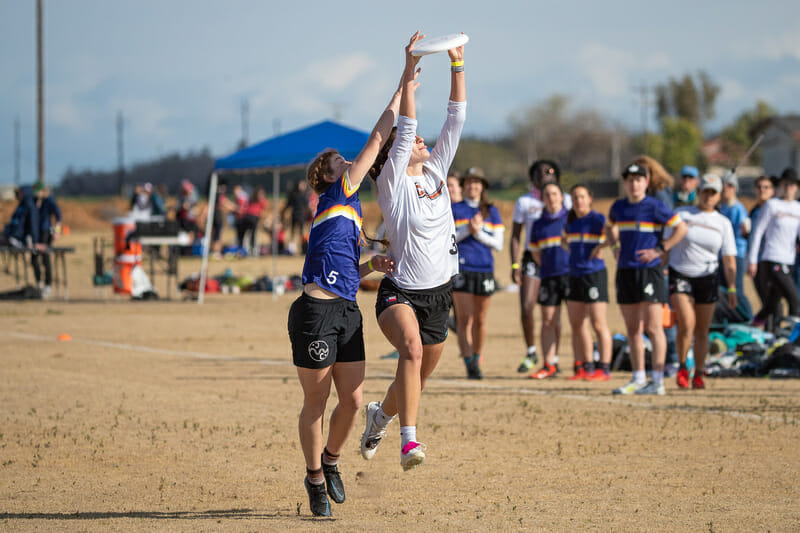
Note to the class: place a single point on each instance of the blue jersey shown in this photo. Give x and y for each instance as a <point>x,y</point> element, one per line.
<point>584,235</point>
<point>474,256</point>
<point>546,234</point>
<point>737,214</point>
<point>333,243</point>
<point>640,226</point>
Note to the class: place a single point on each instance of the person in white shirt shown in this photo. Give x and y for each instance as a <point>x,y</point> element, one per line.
<point>694,275</point>
<point>778,227</point>
<point>413,303</point>
<point>524,270</point>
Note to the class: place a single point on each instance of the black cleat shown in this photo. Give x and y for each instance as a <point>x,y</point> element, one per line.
<point>333,482</point>
<point>317,499</point>
<point>473,367</point>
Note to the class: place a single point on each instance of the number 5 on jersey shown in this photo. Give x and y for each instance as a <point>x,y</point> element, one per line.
<point>332,276</point>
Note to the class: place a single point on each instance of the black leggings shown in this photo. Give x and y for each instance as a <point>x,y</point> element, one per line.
<point>44,257</point>
<point>776,283</point>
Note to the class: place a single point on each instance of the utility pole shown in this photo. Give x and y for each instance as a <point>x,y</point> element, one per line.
<point>120,153</point>
<point>644,102</point>
<point>16,151</point>
<point>245,121</point>
<point>39,93</point>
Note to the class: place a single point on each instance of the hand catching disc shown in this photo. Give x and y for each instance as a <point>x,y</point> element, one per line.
<point>439,44</point>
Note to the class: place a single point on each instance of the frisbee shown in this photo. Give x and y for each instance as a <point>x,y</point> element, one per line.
<point>439,44</point>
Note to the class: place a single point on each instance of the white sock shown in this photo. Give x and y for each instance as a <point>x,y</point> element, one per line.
<point>381,418</point>
<point>531,350</point>
<point>555,359</point>
<point>640,376</point>
<point>657,376</point>
<point>408,434</point>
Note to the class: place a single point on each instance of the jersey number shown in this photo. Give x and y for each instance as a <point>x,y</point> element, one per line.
<point>332,275</point>
<point>453,245</point>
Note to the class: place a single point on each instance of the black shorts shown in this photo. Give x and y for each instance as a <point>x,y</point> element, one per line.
<point>553,290</point>
<point>432,307</point>
<point>529,266</point>
<point>589,288</point>
<point>477,283</point>
<point>704,290</point>
<point>637,285</point>
<point>324,332</point>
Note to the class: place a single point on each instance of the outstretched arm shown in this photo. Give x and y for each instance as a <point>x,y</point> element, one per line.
<point>458,89</point>
<point>408,107</point>
<point>382,130</point>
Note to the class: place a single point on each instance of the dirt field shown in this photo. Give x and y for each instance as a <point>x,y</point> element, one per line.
<point>173,416</point>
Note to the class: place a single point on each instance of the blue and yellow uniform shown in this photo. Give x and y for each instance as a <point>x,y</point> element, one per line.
<point>328,331</point>
<point>333,243</point>
<point>583,236</point>
<point>474,255</point>
<point>640,228</point>
<point>545,238</point>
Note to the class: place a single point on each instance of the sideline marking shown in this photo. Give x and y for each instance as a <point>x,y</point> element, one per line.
<point>448,382</point>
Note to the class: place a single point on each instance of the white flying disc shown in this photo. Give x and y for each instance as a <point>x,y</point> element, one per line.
<point>439,44</point>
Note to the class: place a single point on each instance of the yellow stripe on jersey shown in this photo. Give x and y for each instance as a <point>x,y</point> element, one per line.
<point>671,223</point>
<point>348,190</point>
<point>585,237</point>
<point>645,227</point>
<point>461,222</point>
<point>338,211</point>
<point>492,227</point>
<point>549,242</point>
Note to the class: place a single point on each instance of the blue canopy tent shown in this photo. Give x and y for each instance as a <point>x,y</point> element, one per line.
<point>283,152</point>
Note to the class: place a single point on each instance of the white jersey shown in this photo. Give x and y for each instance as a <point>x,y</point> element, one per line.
<point>416,209</point>
<point>528,209</point>
<point>710,233</point>
<point>778,228</point>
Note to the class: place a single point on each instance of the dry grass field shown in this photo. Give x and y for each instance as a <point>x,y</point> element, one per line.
<point>173,416</point>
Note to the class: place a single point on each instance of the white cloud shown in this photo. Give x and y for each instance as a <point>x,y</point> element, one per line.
<point>611,70</point>
<point>779,46</point>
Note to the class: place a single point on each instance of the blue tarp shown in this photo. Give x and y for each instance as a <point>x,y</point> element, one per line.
<point>296,148</point>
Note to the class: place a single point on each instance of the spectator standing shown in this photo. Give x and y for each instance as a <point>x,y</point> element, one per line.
<point>694,271</point>
<point>479,232</point>
<point>778,227</point>
<point>733,210</point>
<point>635,224</point>
<point>686,194</point>
<point>49,225</point>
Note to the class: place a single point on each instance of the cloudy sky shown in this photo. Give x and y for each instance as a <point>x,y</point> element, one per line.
<point>179,70</point>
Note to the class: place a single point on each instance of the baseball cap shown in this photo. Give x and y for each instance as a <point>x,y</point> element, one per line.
<point>634,170</point>
<point>710,181</point>
<point>730,179</point>
<point>689,170</point>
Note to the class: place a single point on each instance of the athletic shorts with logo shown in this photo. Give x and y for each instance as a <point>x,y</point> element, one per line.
<point>324,332</point>
<point>432,307</point>
<point>637,285</point>
<point>553,290</point>
<point>477,283</point>
<point>529,266</point>
<point>704,289</point>
<point>589,288</point>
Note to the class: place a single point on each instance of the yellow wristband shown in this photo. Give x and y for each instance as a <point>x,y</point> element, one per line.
<point>514,266</point>
<point>731,290</point>
<point>369,265</point>
<point>457,63</point>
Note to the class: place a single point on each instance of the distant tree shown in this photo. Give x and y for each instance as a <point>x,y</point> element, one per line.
<point>682,142</point>
<point>580,140</point>
<point>738,137</point>
<point>687,99</point>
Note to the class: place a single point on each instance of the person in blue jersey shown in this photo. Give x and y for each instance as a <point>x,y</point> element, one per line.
<point>736,212</point>
<point>588,286</point>
<point>764,190</point>
<point>325,323</point>
<point>553,260</point>
<point>634,228</point>
<point>413,303</point>
<point>479,232</point>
